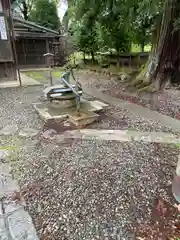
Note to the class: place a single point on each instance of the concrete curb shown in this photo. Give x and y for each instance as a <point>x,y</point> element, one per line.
<point>121,136</point>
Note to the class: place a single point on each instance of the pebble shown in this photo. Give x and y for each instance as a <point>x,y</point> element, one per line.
<point>28,132</point>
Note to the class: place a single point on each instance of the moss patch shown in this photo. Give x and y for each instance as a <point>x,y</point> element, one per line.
<point>57,73</point>
<point>37,75</point>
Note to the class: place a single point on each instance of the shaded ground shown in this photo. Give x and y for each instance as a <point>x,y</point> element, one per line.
<point>166,103</point>
<point>86,189</point>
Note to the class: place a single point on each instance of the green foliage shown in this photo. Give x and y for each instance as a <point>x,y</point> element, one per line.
<point>84,38</point>
<point>45,14</point>
<point>176,24</point>
<point>112,25</point>
<point>142,32</point>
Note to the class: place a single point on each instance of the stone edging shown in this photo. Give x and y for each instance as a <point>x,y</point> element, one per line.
<point>15,222</point>
<point>119,135</point>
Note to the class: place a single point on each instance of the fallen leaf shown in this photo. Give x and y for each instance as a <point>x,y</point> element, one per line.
<point>161,207</point>
<point>178,207</point>
<point>16,196</point>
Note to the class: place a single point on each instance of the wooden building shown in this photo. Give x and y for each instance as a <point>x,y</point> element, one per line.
<point>7,66</point>
<point>33,41</point>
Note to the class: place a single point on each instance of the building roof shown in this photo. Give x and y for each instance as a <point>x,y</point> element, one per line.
<point>30,29</point>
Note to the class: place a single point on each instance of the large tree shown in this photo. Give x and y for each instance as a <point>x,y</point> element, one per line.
<point>103,23</point>
<point>164,61</point>
<point>45,13</point>
<point>154,19</point>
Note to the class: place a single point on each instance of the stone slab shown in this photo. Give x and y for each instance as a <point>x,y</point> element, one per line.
<point>20,224</point>
<point>84,119</point>
<point>3,154</point>
<point>5,169</point>
<point>26,81</point>
<point>3,230</point>
<point>9,130</point>
<point>7,185</point>
<point>122,135</point>
<point>93,106</point>
<point>28,132</point>
<point>49,111</point>
<point>9,84</point>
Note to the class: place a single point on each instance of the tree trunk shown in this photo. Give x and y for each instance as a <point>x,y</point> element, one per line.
<point>142,46</point>
<point>164,61</point>
<point>84,57</point>
<point>92,56</point>
<point>25,10</point>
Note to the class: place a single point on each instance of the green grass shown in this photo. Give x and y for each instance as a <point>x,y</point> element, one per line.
<point>57,73</point>
<point>9,148</point>
<point>178,146</point>
<point>38,75</point>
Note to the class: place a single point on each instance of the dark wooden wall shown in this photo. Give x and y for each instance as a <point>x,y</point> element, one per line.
<point>30,52</point>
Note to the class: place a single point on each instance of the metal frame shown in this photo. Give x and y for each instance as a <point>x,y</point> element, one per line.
<point>75,91</point>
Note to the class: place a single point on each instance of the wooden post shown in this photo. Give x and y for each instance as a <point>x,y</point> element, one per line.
<point>47,46</point>
<point>49,57</point>
<point>12,37</point>
<point>23,45</point>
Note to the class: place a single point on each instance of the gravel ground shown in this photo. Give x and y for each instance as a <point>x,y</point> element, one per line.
<point>101,82</point>
<point>167,103</point>
<point>85,189</point>
<point>117,118</point>
<point>16,107</point>
<point>90,190</point>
